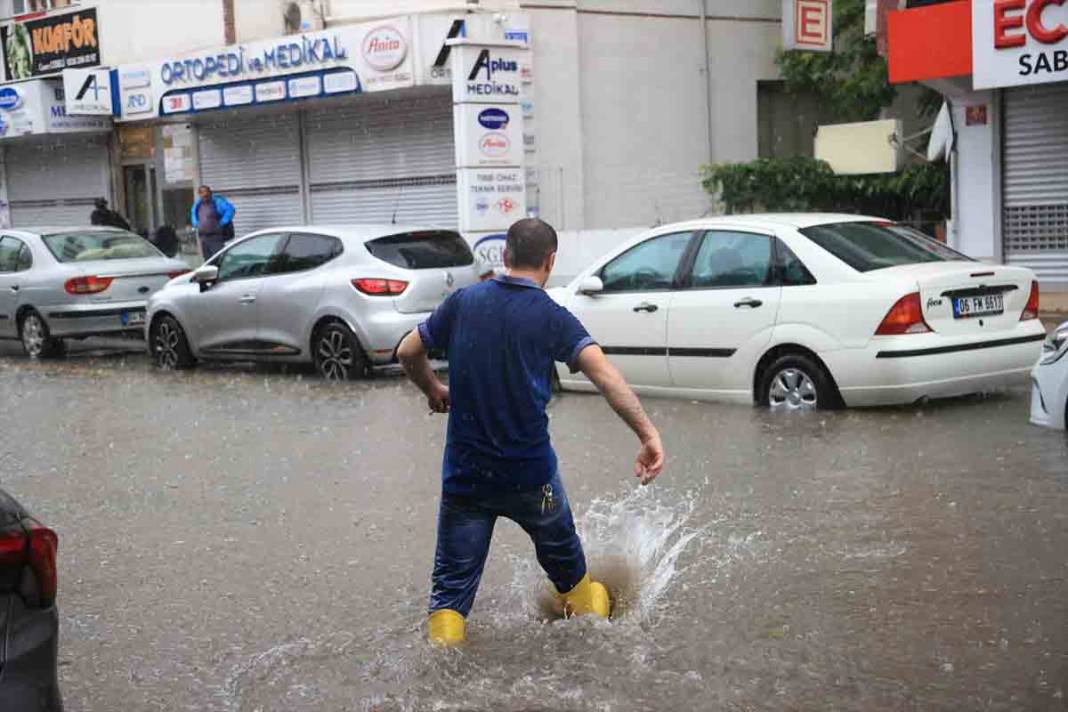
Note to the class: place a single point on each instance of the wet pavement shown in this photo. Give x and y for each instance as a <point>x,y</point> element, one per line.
<point>243,538</point>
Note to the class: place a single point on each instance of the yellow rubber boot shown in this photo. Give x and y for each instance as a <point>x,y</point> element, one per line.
<point>446,628</point>
<point>587,597</point>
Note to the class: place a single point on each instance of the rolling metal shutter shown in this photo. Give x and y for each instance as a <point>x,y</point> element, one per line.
<point>55,181</point>
<point>378,159</point>
<point>1035,180</point>
<point>254,162</point>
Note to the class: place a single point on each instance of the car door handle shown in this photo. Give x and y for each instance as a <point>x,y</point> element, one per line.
<point>646,307</point>
<point>14,287</point>
<point>247,299</point>
<point>748,302</point>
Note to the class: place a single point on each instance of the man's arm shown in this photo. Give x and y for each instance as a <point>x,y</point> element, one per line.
<point>413,357</point>
<point>609,381</point>
<point>227,215</point>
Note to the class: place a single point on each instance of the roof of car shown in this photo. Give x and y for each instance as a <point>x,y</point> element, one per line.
<point>794,220</point>
<point>364,232</point>
<point>53,229</point>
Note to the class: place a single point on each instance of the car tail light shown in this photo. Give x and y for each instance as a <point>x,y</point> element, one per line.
<point>1031,310</point>
<point>905,317</point>
<point>35,547</point>
<point>87,285</point>
<point>380,287</point>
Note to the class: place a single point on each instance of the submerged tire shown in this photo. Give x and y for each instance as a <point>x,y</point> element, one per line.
<point>36,339</point>
<point>169,346</point>
<point>796,381</point>
<point>337,353</point>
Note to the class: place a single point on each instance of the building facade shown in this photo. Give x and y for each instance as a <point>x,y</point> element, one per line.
<point>620,103</point>
<point>1003,69</point>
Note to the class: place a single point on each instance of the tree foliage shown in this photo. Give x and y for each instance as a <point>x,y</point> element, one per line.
<point>806,184</point>
<point>851,81</point>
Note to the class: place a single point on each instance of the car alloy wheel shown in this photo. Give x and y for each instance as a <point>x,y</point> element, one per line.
<point>166,345</point>
<point>336,356</point>
<point>792,389</point>
<point>34,336</point>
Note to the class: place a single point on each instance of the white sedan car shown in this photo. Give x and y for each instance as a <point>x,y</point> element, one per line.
<point>805,311</point>
<point>1049,393</point>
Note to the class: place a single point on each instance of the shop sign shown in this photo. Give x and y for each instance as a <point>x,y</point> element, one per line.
<point>48,45</point>
<point>348,59</point>
<point>1019,42</point>
<point>487,74</point>
<point>491,199</point>
<point>489,252</point>
<point>488,136</point>
<point>42,109</point>
<point>88,91</point>
<point>10,98</point>
<point>807,25</point>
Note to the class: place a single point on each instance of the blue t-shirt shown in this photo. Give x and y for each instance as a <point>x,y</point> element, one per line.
<point>502,338</point>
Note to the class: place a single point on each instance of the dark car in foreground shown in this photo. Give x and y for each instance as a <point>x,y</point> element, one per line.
<point>29,623</point>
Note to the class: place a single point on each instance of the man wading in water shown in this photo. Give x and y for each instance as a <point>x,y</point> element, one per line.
<point>502,338</point>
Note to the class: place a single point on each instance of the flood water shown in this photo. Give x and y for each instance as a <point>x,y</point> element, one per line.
<point>246,539</point>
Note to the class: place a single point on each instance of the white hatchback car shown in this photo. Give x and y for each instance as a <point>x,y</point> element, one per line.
<point>1049,393</point>
<point>805,311</point>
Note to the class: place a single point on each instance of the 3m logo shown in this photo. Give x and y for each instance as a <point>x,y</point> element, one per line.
<point>812,23</point>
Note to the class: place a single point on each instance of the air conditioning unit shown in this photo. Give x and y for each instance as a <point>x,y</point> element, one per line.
<point>302,16</point>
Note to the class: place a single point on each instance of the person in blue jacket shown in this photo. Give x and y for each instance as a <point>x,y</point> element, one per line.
<point>213,217</point>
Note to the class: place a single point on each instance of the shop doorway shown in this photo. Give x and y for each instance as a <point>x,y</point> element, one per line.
<point>139,182</point>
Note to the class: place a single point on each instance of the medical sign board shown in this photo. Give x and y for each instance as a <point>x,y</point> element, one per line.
<point>482,73</point>
<point>488,135</point>
<point>50,44</point>
<point>88,92</point>
<point>368,57</point>
<point>491,199</point>
<point>807,25</point>
<point>38,107</point>
<point>1019,42</point>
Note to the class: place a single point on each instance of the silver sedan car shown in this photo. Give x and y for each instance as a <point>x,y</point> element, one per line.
<point>340,297</point>
<point>72,282</point>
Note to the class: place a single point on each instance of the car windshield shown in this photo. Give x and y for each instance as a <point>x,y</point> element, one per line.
<point>867,246</point>
<point>98,245</point>
<point>427,249</point>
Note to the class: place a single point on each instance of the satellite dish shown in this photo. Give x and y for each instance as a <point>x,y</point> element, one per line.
<point>941,143</point>
<point>292,18</point>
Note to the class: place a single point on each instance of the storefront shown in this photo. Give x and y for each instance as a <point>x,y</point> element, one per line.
<point>350,124</point>
<point>1007,82</point>
<point>55,165</point>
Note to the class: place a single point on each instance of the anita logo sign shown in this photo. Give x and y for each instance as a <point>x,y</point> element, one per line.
<point>384,48</point>
<point>494,144</point>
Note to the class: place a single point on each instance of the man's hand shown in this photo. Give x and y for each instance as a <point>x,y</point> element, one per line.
<point>650,460</point>
<point>438,398</point>
<point>609,381</point>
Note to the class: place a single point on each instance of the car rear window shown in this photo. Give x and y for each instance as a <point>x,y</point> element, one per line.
<point>427,249</point>
<point>99,245</point>
<point>867,246</point>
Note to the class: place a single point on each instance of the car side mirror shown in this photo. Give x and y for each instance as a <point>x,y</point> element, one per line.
<point>206,274</point>
<point>591,285</point>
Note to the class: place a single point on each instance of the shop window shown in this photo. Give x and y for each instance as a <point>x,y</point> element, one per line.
<point>21,7</point>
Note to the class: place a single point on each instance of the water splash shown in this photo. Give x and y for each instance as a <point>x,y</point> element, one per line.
<point>632,545</point>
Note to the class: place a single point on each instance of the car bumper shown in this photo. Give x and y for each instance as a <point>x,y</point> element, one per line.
<point>28,673</point>
<point>381,332</point>
<point>1049,395</point>
<point>905,369</point>
<point>70,320</point>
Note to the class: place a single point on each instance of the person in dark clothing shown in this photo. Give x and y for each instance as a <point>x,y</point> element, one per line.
<point>213,217</point>
<point>166,240</point>
<point>503,337</point>
<point>105,216</point>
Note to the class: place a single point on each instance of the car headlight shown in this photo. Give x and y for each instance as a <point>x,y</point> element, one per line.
<point>1056,345</point>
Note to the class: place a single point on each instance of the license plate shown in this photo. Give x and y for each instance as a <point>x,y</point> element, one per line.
<point>985,305</point>
<point>132,318</point>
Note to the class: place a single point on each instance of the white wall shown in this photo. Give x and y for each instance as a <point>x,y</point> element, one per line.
<point>977,210</point>
<point>258,19</point>
<point>138,30</point>
<point>579,248</point>
<point>355,9</point>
